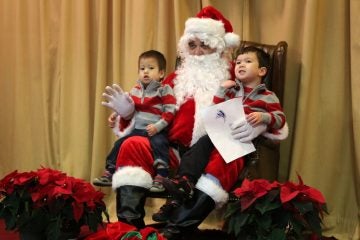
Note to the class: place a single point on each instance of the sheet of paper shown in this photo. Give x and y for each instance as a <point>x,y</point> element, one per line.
<point>217,119</point>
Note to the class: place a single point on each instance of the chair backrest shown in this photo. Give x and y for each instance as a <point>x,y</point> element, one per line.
<point>264,163</point>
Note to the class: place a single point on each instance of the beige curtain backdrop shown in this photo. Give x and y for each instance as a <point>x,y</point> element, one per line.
<point>57,56</point>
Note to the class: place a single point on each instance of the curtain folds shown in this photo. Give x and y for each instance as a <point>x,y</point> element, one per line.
<point>56,57</point>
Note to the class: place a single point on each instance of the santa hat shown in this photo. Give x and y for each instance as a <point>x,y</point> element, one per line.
<point>213,24</point>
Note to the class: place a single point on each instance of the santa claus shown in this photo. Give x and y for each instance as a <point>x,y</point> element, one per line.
<point>203,68</point>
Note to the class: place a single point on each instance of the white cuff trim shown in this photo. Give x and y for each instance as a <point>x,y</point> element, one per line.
<point>283,133</point>
<point>126,131</point>
<point>215,191</point>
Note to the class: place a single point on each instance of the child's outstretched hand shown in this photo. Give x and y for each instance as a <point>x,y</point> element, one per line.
<point>254,118</point>
<point>112,119</point>
<point>228,84</point>
<point>151,130</point>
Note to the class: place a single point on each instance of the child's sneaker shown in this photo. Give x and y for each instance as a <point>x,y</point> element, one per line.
<point>157,185</point>
<point>104,181</point>
<point>180,187</point>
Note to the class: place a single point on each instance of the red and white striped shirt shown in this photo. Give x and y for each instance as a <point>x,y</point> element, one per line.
<point>258,99</point>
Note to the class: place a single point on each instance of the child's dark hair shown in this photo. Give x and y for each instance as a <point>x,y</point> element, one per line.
<point>157,55</point>
<point>262,56</point>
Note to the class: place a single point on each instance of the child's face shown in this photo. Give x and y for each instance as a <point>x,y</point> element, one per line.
<point>149,70</point>
<point>247,68</point>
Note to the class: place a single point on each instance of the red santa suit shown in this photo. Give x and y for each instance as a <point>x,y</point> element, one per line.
<point>135,160</point>
<point>194,84</point>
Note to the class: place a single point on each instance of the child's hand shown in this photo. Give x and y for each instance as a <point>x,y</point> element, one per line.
<point>228,84</point>
<point>254,118</point>
<point>151,130</point>
<point>112,119</point>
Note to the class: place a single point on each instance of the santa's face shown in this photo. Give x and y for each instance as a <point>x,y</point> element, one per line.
<point>197,47</point>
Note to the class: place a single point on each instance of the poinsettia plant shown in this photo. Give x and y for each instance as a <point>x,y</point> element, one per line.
<point>273,210</point>
<point>50,202</point>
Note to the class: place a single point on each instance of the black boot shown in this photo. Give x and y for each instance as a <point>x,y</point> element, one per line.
<point>130,201</point>
<point>186,218</point>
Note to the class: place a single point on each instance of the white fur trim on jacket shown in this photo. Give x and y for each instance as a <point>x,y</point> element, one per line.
<point>126,131</point>
<point>215,191</point>
<point>281,135</point>
<point>133,176</point>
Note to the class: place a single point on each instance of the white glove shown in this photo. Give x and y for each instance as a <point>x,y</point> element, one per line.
<point>241,130</point>
<point>119,101</point>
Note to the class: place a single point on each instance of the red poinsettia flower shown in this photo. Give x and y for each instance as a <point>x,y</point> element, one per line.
<point>7,183</point>
<point>78,210</point>
<point>250,191</point>
<point>24,178</point>
<point>289,191</point>
<point>47,175</point>
<point>66,198</point>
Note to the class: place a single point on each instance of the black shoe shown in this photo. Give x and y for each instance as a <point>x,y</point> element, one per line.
<point>181,188</point>
<point>165,211</point>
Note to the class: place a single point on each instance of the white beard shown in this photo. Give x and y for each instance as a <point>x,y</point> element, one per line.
<point>199,77</point>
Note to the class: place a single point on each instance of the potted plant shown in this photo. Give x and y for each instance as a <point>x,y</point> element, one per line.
<point>273,210</point>
<point>49,203</point>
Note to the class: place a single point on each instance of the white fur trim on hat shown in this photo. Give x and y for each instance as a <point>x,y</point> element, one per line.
<point>215,191</point>
<point>281,135</point>
<point>133,176</point>
<point>204,25</point>
<point>211,27</point>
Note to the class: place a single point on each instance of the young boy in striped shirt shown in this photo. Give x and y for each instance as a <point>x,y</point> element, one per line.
<point>261,106</point>
<point>154,111</point>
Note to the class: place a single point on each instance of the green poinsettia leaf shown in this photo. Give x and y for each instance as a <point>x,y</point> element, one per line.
<point>53,228</point>
<point>277,234</point>
<point>131,235</point>
<point>36,215</point>
<point>267,206</point>
<point>231,209</point>
<point>152,236</point>
<point>10,221</point>
<point>229,225</point>
<point>264,222</point>
<point>273,195</point>
<point>324,208</point>
<point>240,221</point>
<point>106,213</point>
<point>304,207</point>
<point>314,222</point>
<point>93,221</point>
<point>294,229</point>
